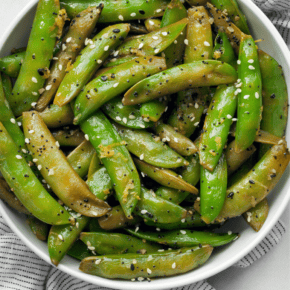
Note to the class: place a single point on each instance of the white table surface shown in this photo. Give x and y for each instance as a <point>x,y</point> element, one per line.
<point>271,272</point>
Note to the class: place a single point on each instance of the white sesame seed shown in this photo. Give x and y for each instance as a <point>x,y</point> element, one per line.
<point>229,233</point>
<point>92,46</point>
<point>163,140</point>
<point>134,261</point>
<point>34,93</point>
<point>196,105</point>
<point>238,61</point>
<point>198,198</point>
<point>57,144</point>
<point>133,14</point>
<point>136,229</point>
<point>140,278</point>
<point>166,109</point>
<point>33,104</point>
<point>174,265</point>
<point>39,167</point>
<point>230,29</point>
<point>238,91</point>
<point>144,211</point>
<point>115,85</point>
<point>31,131</point>
<point>161,250</point>
<point>158,229</point>
<point>206,43</point>
<point>250,61</point>
<point>48,87</point>
<point>43,181</point>
<point>116,53</point>
<point>158,10</point>
<point>50,172</point>
<point>150,258</point>
<point>87,137</point>
<point>98,261</point>
<point>175,41</point>
<point>156,50</point>
<point>141,45</point>
<point>142,173</point>
<point>151,22</point>
<point>34,80</point>
<point>12,120</point>
<point>55,58</point>
<point>63,47</point>
<point>132,117</point>
<point>18,156</point>
<point>118,118</point>
<point>99,61</point>
<point>60,67</point>
<point>235,119</point>
<point>34,160</point>
<point>257,95</point>
<point>229,116</point>
<point>186,41</point>
<point>60,237</point>
<point>142,156</point>
<point>246,97</point>
<point>164,33</point>
<point>183,220</point>
<point>149,271</point>
<point>133,279</point>
<point>175,139</point>
<point>106,48</point>
<point>239,85</point>
<point>19,124</point>
<point>196,124</point>
<point>89,243</point>
<point>251,67</point>
<point>183,232</point>
<point>239,80</point>
<point>121,17</point>
<point>155,37</point>
<point>41,90</point>
<point>142,126</point>
<point>91,248</point>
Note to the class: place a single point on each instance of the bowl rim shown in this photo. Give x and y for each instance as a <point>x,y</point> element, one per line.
<point>128,285</point>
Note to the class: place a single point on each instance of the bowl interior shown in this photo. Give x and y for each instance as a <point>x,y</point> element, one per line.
<point>17,35</point>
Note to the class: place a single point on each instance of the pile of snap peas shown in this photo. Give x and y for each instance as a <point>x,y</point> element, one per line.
<point>131,130</point>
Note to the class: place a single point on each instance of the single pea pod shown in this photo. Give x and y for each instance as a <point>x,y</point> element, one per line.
<point>116,11</point>
<point>274,98</point>
<point>114,82</point>
<point>88,62</point>
<point>154,42</point>
<point>223,50</point>
<point>57,171</point>
<point>11,64</point>
<point>80,158</point>
<point>256,216</point>
<point>7,195</point>
<point>61,238</point>
<point>151,265</point>
<point>249,94</point>
<point>185,238</point>
<point>116,158</point>
<point>26,186</point>
<point>115,243</point>
<point>153,110</point>
<point>39,228</point>
<point>79,250</point>
<point>217,126</point>
<point>128,116</point>
<point>165,177</point>
<point>257,184</point>
<point>233,11</point>
<point>149,148</point>
<point>196,74</point>
<point>7,84</point>
<point>189,109</point>
<point>80,29</point>
<point>37,58</point>
<point>66,137</point>
<point>116,219</point>
<point>95,164</point>
<point>213,189</point>
<point>181,144</point>
<point>152,24</point>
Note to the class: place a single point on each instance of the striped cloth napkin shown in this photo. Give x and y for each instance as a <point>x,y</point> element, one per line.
<point>21,269</point>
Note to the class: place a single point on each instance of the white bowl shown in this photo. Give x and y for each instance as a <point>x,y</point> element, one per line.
<point>222,258</point>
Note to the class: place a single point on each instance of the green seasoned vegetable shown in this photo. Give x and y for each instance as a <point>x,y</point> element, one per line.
<point>147,266</point>
<point>116,158</point>
<point>119,60</point>
<point>275,98</point>
<point>115,11</point>
<point>149,148</point>
<point>185,238</point>
<point>164,176</point>
<point>79,251</point>
<point>137,28</point>
<point>26,186</point>
<point>95,164</point>
<point>217,126</point>
<point>68,137</point>
<point>88,62</point>
<point>199,73</point>
<point>81,27</point>
<point>57,171</point>
<point>39,228</point>
<point>152,111</point>
<point>128,116</point>
<point>154,42</point>
<point>249,94</point>
<point>115,243</point>
<point>114,82</point>
<point>213,189</point>
<point>7,85</point>
<point>152,24</point>
<point>11,64</point>
<point>37,58</point>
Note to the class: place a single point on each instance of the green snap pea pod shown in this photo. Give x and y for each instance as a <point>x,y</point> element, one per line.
<point>128,116</point>
<point>223,50</point>
<point>80,158</point>
<point>120,60</point>
<point>154,208</point>
<point>114,82</point>
<point>152,111</point>
<point>162,264</point>
<point>182,77</point>
<point>213,189</point>
<point>88,62</point>
<point>154,42</point>
<point>95,227</point>
<point>150,149</point>
<point>11,64</point>
<point>61,238</point>
<point>197,2</point>
<point>250,94</point>
<point>39,228</point>
<point>152,24</point>
<point>95,164</point>
<point>233,11</point>
<point>165,177</point>
<point>57,171</point>
<point>257,184</point>
<point>26,186</point>
<point>68,137</point>
<point>236,159</point>
<point>138,29</point>
<point>116,158</point>
<point>190,106</point>
<point>257,215</point>
<point>79,251</point>
<point>7,84</point>
<point>274,98</point>
<point>115,243</point>
<point>100,183</point>
<point>199,36</point>
<point>116,219</point>
<point>217,126</point>
<point>185,238</point>
<point>37,58</point>
<point>116,11</point>
<point>176,140</point>
<point>80,28</point>
<point>7,195</point>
